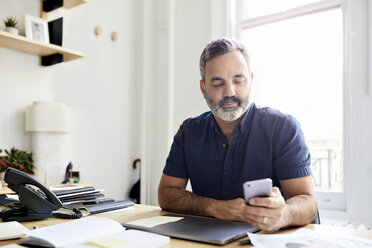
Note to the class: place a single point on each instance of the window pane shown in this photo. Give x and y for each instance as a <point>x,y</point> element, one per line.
<point>297,66</point>
<point>255,8</point>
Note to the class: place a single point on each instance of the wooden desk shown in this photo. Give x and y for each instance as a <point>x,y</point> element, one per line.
<point>144,211</point>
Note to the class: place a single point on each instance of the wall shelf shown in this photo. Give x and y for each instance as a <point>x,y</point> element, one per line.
<point>50,54</point>
<point>68,4</point>
<point>22,44</point>
<point>50,5</point>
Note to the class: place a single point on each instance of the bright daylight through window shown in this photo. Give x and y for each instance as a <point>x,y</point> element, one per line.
<point>297,65</point>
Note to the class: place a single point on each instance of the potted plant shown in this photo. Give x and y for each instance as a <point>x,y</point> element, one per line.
<point>11,24</point>
<point>18,159</point>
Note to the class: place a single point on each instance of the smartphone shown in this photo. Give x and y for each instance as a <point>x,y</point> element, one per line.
<point>257,188</point>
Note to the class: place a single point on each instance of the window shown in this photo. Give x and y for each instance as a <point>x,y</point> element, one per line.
<point>255,8</point>
<point>297,60</point>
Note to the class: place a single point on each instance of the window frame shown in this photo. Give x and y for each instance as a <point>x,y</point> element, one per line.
<point>327,199</point>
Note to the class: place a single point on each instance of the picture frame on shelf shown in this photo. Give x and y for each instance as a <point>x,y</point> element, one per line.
<point>36,29</point>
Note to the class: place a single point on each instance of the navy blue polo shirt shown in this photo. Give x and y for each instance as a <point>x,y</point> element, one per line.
<point>266,143</point>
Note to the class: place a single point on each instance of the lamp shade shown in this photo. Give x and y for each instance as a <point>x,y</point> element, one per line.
<point>48,117</point>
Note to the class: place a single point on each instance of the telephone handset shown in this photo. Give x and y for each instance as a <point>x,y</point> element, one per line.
<point>34,204</point>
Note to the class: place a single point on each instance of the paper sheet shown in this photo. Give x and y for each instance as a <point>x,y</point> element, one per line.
<point>107,242</point>
<point>95,232</point>
<point>64,187</point>
<point>12,246</point>
<point>128,239</point>
<point>304,238</point>
<point>12,196</point>
<point>154,221</point>
<point>11,230</point>
<point>77,231</point>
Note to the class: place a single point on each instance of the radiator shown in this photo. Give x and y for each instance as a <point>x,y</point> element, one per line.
<point>344,223</point>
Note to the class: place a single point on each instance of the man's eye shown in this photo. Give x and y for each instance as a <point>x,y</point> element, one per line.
<point>215,85</point>
<point>239,81</point>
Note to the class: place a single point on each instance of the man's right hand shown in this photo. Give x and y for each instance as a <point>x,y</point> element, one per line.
<point>173,196</point>
<point>229,210</point>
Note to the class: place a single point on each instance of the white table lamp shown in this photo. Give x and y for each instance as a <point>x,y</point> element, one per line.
<point>50,125</point>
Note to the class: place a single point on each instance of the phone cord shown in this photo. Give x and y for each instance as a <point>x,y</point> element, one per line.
<point>75,215</point>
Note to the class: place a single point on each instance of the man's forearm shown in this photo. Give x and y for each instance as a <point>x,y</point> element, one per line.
<point>301,210</point>
<point>180,200</point>
<point>177,199</point>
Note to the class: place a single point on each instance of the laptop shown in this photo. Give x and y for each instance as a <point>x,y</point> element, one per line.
<point>202,229</point>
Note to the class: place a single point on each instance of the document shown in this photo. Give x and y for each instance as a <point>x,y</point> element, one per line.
<point>11,230</point>
<point>304,238</point>
<point>12,246</point>
<point>96,232</point>
<point>154,221</point>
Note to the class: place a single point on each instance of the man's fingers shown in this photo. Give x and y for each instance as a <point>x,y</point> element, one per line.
<point>275,191</point>
<point>268,202</point>
<point>259,201</point>
<point>276,200</point>
<point>263,222</point>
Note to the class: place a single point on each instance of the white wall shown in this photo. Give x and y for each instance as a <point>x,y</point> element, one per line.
<point>21,80</point>
<point>192,34</point>
<point>174,35</point>
<point>149,84</point>
<point>157,58</point>
<point>359,172</point>
<point>102,90</point>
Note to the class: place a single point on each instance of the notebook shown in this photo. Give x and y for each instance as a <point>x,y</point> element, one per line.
<point>106,206</point>
<point>202,229</point>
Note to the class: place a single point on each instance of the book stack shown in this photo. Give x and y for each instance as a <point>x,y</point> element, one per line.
<point>80,195</point>
<point>88,198</point>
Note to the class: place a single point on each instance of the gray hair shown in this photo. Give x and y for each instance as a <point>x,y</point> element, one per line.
<point>218,47</point>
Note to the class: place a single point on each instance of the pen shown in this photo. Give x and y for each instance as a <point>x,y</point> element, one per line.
<point>245,242</point>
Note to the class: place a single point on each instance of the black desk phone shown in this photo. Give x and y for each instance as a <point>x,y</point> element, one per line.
<point>36,202</point>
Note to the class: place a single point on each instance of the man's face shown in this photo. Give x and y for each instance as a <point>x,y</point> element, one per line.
<point>227,85</point>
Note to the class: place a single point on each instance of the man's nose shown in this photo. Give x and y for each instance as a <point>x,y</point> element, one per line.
<point>229,89</point>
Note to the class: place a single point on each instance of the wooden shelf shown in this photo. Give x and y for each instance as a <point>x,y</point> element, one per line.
<point>22,44</point>
<point>68,4</point>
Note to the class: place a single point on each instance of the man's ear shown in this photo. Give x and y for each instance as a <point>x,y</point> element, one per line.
<point>202,87</point>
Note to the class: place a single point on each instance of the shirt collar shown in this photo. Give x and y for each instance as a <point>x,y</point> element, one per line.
<point>214,126</point>
<point>244,122</point>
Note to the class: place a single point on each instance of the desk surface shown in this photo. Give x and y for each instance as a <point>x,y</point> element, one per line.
<point>144,211</point>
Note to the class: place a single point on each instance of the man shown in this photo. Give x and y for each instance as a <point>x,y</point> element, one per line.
<point>235,142</point>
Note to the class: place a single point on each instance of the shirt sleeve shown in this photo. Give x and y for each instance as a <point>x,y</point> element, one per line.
<point>291,155</point>
<point>175,165</point>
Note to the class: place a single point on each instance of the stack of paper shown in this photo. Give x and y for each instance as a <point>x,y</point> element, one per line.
<point>307,238</point>
<point>78,195</point>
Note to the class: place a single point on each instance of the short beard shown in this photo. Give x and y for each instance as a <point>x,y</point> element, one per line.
<point>227,114</point>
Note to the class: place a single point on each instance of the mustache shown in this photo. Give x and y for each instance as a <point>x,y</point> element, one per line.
<point>229,99</point>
